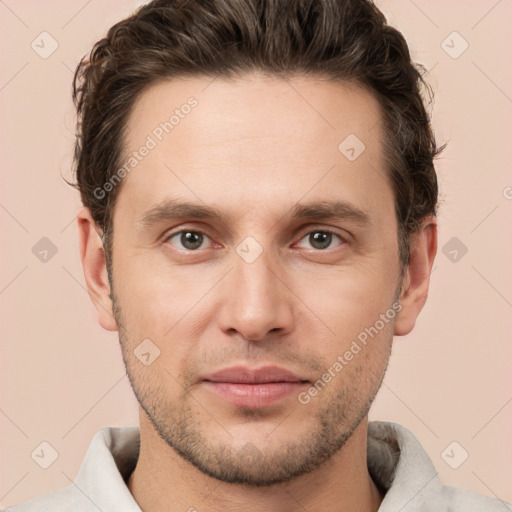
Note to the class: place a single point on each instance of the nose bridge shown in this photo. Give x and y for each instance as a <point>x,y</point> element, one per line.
<point>255,275</point>
<point>258,301</point>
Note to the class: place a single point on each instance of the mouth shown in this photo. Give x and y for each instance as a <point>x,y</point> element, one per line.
<point>254,388</point>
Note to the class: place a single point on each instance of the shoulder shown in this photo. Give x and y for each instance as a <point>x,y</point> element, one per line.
<point>60,500</point>
<point>469,501</point>
<point>403,470</point>
<point>100,483</point>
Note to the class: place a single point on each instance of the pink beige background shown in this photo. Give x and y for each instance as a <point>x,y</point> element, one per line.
<point>62,376</point>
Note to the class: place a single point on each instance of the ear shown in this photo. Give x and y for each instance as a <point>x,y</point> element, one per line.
<point>95,269</point>
<point>416,278</point>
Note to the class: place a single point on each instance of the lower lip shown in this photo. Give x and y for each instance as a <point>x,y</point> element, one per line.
<point>254,395</point>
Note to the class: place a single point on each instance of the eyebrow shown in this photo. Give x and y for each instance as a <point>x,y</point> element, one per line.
<point>172,209</point>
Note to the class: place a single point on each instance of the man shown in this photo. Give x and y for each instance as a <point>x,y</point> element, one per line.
<point>259,221</point>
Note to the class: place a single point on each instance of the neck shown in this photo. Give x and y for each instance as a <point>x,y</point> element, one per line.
<point>162,480</point>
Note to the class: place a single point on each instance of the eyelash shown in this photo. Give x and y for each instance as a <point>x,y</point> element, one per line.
<point>323,230</point>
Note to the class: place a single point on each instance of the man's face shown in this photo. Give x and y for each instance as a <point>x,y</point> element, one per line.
<point>260,288</point>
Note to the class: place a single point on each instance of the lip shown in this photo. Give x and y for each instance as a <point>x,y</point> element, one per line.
<point>245,375</point>
<point>253,388</point>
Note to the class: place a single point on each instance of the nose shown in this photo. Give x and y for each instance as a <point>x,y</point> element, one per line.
<point>257,301</point>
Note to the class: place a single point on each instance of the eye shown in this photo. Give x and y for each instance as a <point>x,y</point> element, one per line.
<point>190,240</point>
<point>321,238</point>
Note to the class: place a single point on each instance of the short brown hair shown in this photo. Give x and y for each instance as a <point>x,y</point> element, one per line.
<point>346,40</point>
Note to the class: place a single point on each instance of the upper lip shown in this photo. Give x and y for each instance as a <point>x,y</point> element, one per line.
<point>245,375</point>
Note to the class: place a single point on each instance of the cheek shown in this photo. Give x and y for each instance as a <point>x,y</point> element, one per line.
<point>346,301</point>
<point>358,352</point>
<point>154,293</point>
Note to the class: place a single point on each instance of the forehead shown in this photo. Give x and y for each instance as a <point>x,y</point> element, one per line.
<point>253,140</point>
<point>253,105</point>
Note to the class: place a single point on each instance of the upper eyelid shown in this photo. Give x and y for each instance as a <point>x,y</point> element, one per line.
<point>344,239</point>
<point>306,231</point>
<point>325,230</point>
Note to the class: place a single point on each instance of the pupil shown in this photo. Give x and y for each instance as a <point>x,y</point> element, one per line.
<point>321,238</point>
<point>191,240</point>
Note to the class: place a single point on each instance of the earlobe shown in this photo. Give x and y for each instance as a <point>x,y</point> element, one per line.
<point>95,269</point>
<point>416,278</point>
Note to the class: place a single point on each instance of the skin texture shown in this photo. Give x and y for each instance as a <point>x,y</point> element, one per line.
<point>253,148</point>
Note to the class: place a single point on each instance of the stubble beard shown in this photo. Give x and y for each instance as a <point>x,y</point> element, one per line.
<point>178,423</point>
